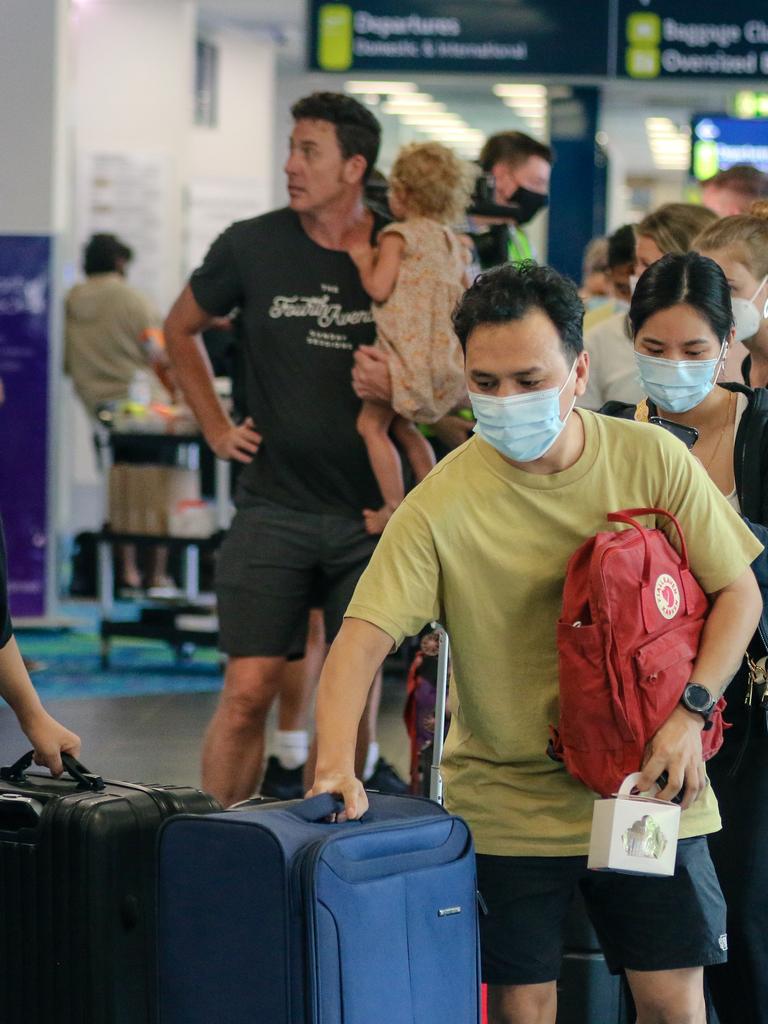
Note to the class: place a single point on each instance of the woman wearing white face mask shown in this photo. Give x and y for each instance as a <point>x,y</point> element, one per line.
<point>739,246</point>
<point>612,376</point>
<point>682,323</point>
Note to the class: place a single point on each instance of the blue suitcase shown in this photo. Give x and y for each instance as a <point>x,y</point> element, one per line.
<point>272,915</point>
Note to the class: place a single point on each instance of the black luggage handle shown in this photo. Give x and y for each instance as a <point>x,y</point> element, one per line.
<point>84,778</point>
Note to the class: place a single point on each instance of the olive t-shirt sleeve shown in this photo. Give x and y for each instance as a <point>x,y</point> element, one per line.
<point>216,283</point>
<point>720,545</point>
<point>399,591</point>
<point>5,615</point>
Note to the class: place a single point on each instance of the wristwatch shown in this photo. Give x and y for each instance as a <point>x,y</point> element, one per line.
<point>698,699</point>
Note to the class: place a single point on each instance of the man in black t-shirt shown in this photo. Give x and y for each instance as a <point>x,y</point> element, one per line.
<point>298,538</point>
<point>48,737</point>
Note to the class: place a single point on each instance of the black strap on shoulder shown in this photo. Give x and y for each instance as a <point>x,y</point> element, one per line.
<point>620,410</point>
<point>751,451</point>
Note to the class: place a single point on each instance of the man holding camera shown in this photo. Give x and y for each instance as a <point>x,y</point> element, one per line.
<point>519,168</point>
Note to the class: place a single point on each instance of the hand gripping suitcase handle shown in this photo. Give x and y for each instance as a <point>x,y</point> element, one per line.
<point>318,809</point>
<point>82,776</point>
<point>626,516</point>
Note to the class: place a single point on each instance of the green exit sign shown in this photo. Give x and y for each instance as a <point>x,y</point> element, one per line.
<point>751,104</point>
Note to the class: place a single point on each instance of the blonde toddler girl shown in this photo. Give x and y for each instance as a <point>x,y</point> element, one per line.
<point>415,276</point>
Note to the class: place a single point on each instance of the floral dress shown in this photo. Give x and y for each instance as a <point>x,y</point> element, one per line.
<point>414,324</point>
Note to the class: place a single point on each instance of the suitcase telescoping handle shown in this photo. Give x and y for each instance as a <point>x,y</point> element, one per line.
<point>443,655</point>
<point>84,778</point>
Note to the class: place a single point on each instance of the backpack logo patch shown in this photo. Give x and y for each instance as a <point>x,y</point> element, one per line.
<point>667,596</point>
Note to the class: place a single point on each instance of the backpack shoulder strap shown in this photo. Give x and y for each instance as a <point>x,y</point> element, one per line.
<point>752,457</point>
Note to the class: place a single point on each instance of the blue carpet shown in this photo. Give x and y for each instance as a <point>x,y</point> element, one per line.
<point>71,664</point>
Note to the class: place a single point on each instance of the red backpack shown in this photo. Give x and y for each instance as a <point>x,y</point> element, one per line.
<point>627,640</point>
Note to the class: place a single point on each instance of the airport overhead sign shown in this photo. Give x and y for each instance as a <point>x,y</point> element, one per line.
<point>638,39</point>
<point>685,39</point>
<point>487,36</point>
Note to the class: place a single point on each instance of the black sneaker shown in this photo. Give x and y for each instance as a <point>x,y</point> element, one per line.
<point>283,783</point>
<point>384,779</point>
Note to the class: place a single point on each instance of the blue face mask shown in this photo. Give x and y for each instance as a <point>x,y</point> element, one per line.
<point>677,385</point>
<point>522,427</point>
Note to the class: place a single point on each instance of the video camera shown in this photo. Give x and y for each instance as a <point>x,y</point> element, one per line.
<point>483,202</point>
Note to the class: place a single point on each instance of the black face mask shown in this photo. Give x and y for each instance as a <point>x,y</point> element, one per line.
<point>527,204</point>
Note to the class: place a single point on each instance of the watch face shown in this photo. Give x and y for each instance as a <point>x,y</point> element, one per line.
<point>698,697</point>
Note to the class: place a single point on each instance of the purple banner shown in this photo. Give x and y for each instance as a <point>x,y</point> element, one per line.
<point>24,325</point>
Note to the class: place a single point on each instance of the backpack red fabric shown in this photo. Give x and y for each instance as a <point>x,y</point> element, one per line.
<point>627,639</point>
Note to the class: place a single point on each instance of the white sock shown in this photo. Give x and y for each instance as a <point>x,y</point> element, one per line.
<point>291,747</point>
<point>371,759</point>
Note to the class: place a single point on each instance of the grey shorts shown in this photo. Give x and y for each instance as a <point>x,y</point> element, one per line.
<point>274,565</point>
<point>644,922</point>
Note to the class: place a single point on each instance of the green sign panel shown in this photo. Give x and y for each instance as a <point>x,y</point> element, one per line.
<point>751,104</point>
<point>638,39</point>
<point>681,39</point>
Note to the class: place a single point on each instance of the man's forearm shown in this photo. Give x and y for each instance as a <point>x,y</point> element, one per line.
<point>195,378</point>
<point>354,658</point>
<point>15,685</point>
<point>727,632</point>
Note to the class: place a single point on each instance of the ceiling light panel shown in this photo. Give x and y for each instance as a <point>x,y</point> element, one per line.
<point>521,91</point>
<point>432,123</point>
<point>669,143</point>
<point>412,109</point>
<point>382,88</point>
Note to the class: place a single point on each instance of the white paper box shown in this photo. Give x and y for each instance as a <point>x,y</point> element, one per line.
<point>635,834</point>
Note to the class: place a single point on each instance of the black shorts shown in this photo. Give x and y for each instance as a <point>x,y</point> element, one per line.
<point>274,565</point>
<point>643,922</point>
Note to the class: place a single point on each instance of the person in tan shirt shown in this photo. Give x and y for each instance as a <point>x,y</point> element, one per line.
<point>112,332</point>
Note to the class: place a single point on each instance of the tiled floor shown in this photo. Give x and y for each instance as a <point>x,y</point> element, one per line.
<point>157,739</point>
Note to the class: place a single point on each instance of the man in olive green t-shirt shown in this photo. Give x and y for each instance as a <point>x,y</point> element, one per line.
<point>482,545</point>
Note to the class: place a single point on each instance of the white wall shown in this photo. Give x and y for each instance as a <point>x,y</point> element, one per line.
<point>229,167</point>
<point>240,145</point>
<point>30,71</point>
<point>133,94</point>
<point>134,62</point>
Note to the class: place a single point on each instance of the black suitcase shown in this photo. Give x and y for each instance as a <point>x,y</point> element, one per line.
<point>77,894</point>
<point>587,992</point>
